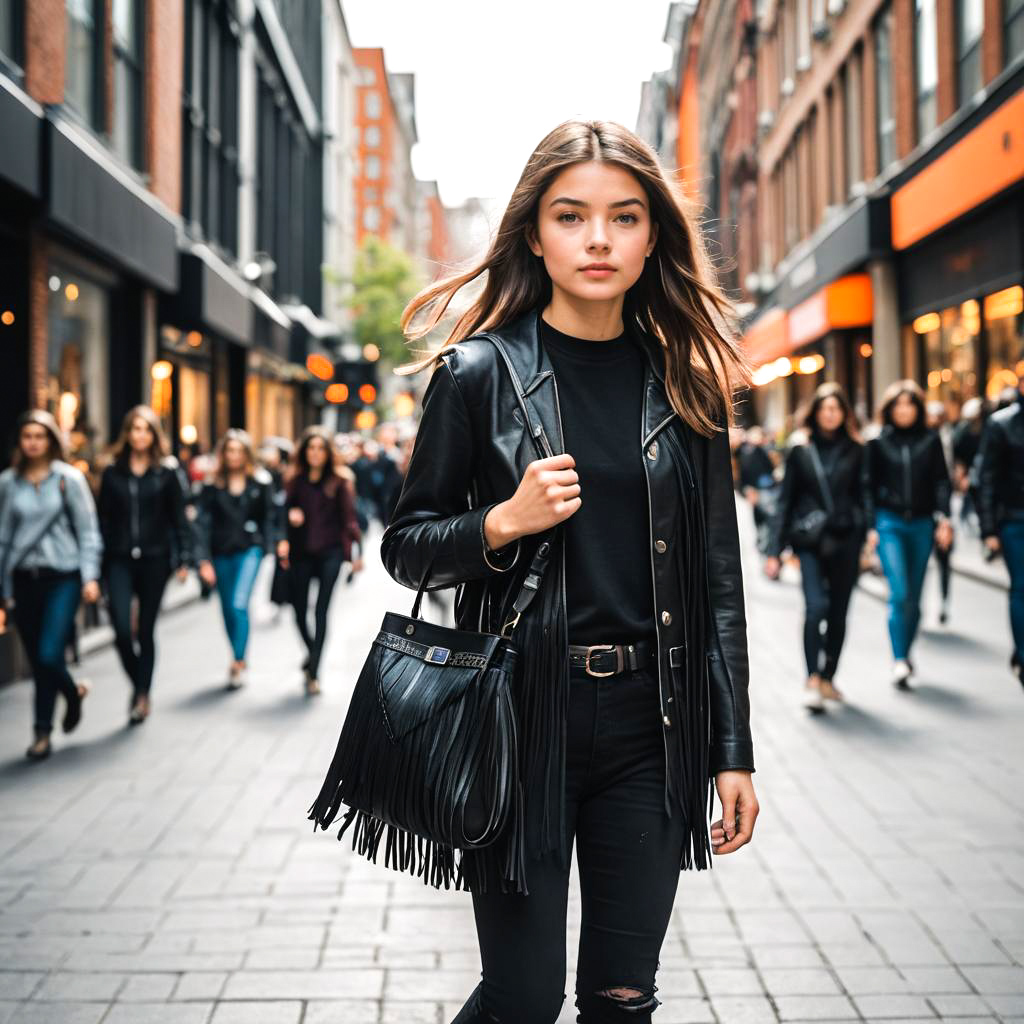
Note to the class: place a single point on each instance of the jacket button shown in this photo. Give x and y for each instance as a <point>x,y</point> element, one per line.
<point>652,450</point>
<point>666,719</point>
<point>660,546</point>
<point>666,617</point>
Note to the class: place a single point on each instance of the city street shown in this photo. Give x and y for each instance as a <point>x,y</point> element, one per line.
<point>167,874</point>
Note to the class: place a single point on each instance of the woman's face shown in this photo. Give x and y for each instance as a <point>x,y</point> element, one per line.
<point>904,411</point>
<point>316,453</point>
<point>234,456</point>
<point>140,437</point>
<point>830,415</point>
<point>594,231</point>
<point>34,441</point>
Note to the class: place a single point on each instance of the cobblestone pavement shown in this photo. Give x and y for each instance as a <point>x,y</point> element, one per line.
<point>167,875</point>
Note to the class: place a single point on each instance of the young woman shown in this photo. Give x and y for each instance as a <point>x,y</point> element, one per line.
<point>823,479</point>
<point>907,490</point>
<point>50,550</point>
<point>632,686</point>
<point>322,526</point>
<point>146,537</point>
<point>237,526</point>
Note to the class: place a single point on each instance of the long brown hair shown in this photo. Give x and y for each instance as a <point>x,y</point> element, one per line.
<point>913,391</point>
<point>808,417</point>
<point>676,298</point>
<point>44,419</point>
<point>159,449</point>
<point>300,463</point>
<point>220,476</point>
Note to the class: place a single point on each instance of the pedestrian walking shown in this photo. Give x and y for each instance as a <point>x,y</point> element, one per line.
<point>821,516</point>
<point>50,550</point>
<point>275,454</point>
<point>907,490</point>
<point>595,406</point>
<point>322,527</point>
<point>1001,507</point>
<point>939,422</point>
<point>237,524</point>
<point>146,537</point>
<point>756,478</point>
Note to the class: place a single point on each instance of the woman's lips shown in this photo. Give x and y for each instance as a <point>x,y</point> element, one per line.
<point>598,271</point>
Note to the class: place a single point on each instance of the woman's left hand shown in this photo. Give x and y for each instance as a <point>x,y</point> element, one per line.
<point>739,812</point>
<point>944,534</point>
<point>182,573</point>
<point>90,592</point>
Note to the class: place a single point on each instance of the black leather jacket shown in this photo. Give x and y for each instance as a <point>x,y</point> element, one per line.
<point>144,516</point>
<point>1001,468</point>
<point>471,451</point>
<point>801,492</point>
<point>226,524</point>
<point>906,473</point>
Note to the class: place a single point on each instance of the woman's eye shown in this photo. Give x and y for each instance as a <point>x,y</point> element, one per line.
<point>630,218</point>
<point>562,217</point>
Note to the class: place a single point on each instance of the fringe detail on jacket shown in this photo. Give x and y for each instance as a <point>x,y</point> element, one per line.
<point>694,790</point>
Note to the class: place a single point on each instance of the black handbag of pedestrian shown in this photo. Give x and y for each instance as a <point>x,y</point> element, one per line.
<point>807,532</point>
<point>427,758</point>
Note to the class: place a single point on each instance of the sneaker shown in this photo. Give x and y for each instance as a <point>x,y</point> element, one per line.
<point>901,673</point>
<point>236,678</point>
<point>139,711</point>
<point>812,697</point>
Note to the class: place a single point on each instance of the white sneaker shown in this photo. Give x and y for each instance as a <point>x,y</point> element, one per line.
<point>236,678</point>
<point>901,673</point>
<point>812,698</point>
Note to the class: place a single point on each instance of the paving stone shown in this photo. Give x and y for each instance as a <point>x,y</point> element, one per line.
<point>258,1013</point>
<point>159,1013</point>
<point>893,1006</point>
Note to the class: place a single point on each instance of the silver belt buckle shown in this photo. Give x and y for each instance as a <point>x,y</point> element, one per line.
<point>586,663</point>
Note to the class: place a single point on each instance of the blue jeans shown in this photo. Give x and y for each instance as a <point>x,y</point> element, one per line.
<point>236,576</point>
<point>1011,536</point>
<point>44,612</point>
<point>904,547</point>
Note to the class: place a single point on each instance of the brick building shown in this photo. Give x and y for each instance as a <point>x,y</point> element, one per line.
<point>890,201</point>
<point>161,211</point>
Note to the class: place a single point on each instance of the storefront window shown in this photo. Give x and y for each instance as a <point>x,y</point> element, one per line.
<point>951,350</point>
<point>1004,328</point>
<point>77,364</point>
<point>270,398</point>
<point>180,389</point>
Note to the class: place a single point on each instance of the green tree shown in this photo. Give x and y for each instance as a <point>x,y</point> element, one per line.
<point>384,280</point>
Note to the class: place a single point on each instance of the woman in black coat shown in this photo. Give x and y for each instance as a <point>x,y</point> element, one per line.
<point>146,537</point>
<point>820,516</point>
<point>585,392</point>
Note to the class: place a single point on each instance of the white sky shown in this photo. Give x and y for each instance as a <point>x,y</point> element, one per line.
<point>494,76</point>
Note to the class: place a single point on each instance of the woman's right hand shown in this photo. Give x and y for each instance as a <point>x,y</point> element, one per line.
<point>296,517</point>
<point>872,540</point>
<point>206,574</point>
<point>772,567</point>
<point>548,494</point>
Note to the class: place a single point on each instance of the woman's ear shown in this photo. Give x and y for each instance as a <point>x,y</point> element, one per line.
<point>532,240</point>
<point>653,239</point>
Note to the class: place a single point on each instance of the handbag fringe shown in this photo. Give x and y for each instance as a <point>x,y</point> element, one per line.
<point>415,779</point>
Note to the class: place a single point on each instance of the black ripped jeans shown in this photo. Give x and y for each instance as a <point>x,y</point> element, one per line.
<point>145,578</point>
<point>628,851</point>
<point>323,567</point>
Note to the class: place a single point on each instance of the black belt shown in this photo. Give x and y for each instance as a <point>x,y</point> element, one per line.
<point>611,659</point>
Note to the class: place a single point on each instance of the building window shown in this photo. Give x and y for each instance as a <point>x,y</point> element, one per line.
<point>210,123</point>
<point>371,135</point>
<point>371,218</point>
<point>926,65</point>
<point>81,75</point>
<point>371,104</point>
<point>803,35</point>
<point>128,29</point>
<point>970,21</point>
<point>1013,30</point>
<point>851,88</point>
<point>12,31</point>
<point>885,112</point>
<point>372,167</point>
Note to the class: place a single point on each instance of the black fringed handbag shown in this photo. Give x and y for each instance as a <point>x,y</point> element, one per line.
<point>427,759</point>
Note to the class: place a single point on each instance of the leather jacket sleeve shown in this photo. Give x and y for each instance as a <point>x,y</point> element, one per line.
<point>434,525</point>
<point>731,744</point>
<point>784,510</point>
<point>174,495</point>
<point>940,476</point>
<point>868,482</point>
<point>990,460</point>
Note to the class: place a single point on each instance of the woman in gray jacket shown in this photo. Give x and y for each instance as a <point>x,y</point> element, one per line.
<point>49,560</point>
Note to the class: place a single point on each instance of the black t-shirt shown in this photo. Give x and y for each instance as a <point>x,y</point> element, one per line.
<point>609,588</point>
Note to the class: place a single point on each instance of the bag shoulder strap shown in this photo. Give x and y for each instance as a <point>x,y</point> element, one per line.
<point>62,510</point>
<point>531,583</point>
<point>819,472</point>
